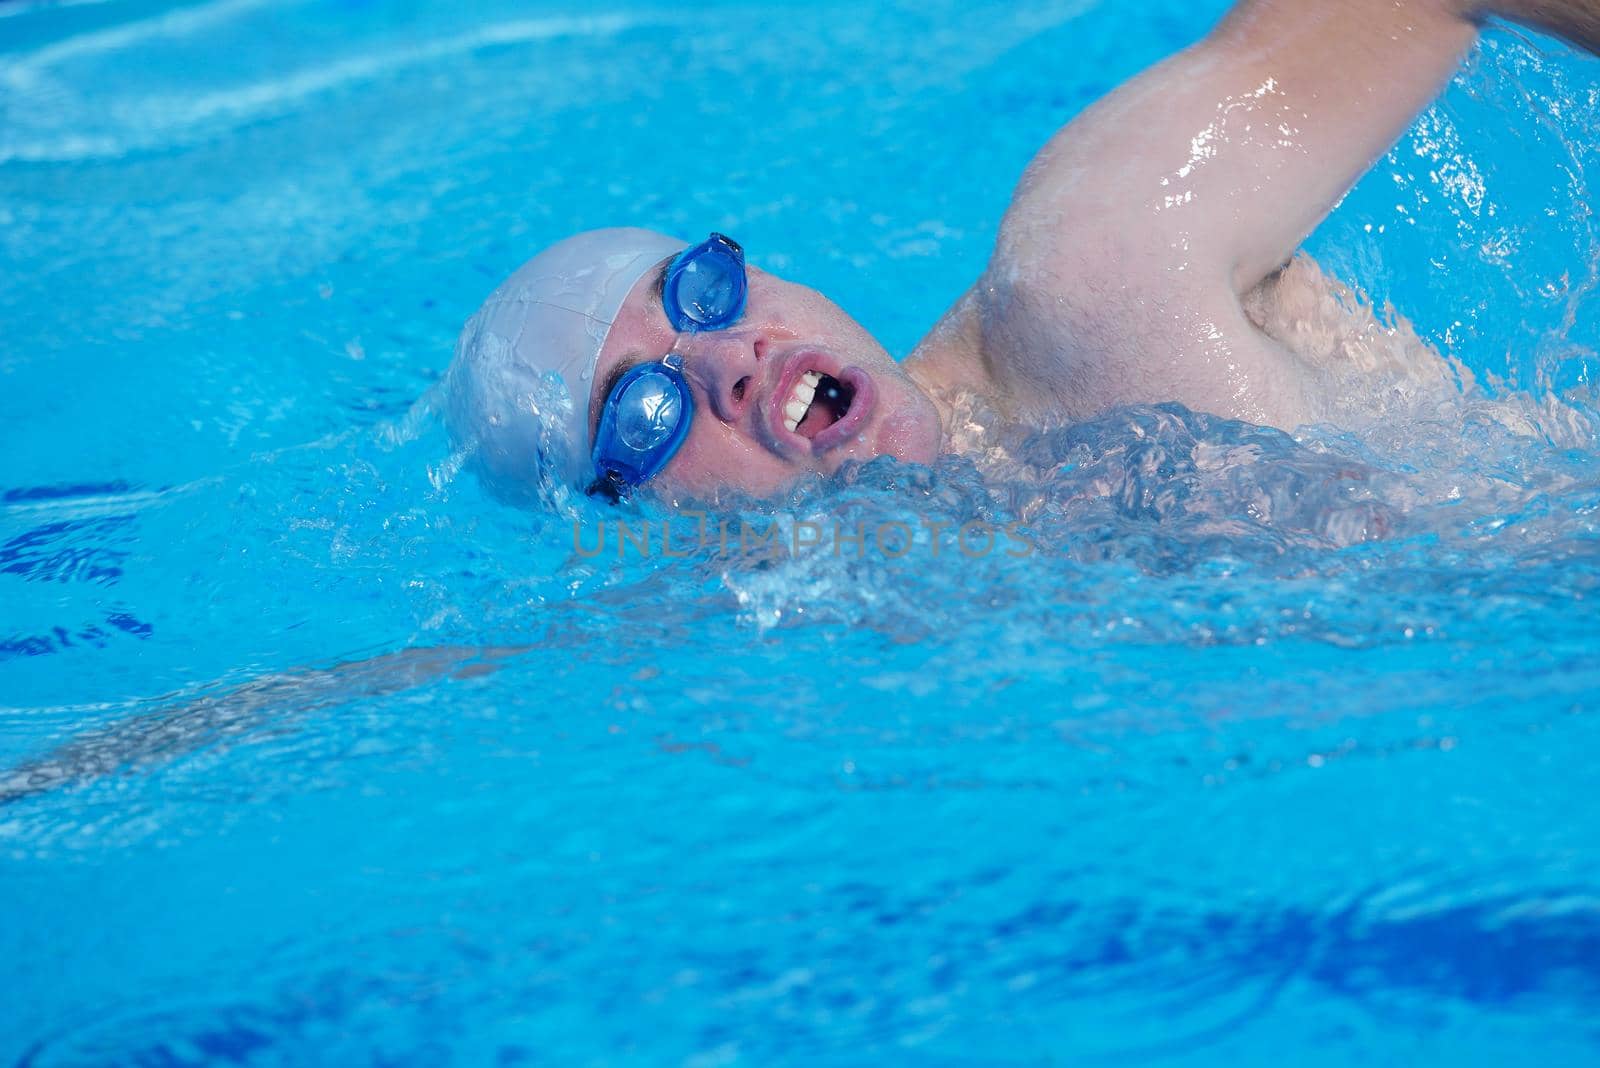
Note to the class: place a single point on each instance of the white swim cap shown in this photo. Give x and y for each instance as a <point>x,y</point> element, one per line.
<point>518,391</point>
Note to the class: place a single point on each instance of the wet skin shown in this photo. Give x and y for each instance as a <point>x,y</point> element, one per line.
<point>1124,260</point>
<point>742,376</point>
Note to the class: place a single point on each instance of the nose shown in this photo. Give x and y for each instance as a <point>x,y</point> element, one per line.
<point>726,364</point>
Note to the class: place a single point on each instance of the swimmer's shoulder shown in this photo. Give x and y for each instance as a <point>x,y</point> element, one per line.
<point>1136,231</point>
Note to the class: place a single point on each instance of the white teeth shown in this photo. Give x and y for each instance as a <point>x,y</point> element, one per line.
<point>799,401</point>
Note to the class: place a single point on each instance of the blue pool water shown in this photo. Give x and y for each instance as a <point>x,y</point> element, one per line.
<point>1272,750</point>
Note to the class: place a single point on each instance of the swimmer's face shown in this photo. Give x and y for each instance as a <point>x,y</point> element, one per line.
<point>744,379</point>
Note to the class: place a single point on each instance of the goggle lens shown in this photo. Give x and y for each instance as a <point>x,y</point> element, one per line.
<point>705,287</point>
<point>643,422</point>
<point>648,413</point>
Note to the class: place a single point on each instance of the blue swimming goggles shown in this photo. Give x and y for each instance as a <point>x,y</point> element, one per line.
<point>648,412</point>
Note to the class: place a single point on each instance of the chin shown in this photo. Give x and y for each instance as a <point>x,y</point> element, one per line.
<point>911,433</point>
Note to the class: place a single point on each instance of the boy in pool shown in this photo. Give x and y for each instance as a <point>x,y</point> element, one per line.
<point>1132,248</point>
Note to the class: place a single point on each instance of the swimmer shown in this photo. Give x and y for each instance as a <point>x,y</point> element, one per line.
<point>1142,259</point>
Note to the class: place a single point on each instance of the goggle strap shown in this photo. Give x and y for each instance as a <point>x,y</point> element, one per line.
<point>609,485</point>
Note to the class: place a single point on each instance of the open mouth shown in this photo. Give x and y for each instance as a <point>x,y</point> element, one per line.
<point>817,402</point>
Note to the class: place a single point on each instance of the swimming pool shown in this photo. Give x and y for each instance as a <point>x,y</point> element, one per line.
<point>1266,750</point>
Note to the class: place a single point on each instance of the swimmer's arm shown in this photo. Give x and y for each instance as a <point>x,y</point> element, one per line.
<point>1135,231</point>
<point>1221,159</point>
<point>1216,163</point>
<point>1347,77</point>
<point>271,702</point>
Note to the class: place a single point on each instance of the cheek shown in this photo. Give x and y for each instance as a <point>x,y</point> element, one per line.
<point>714,457</point>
